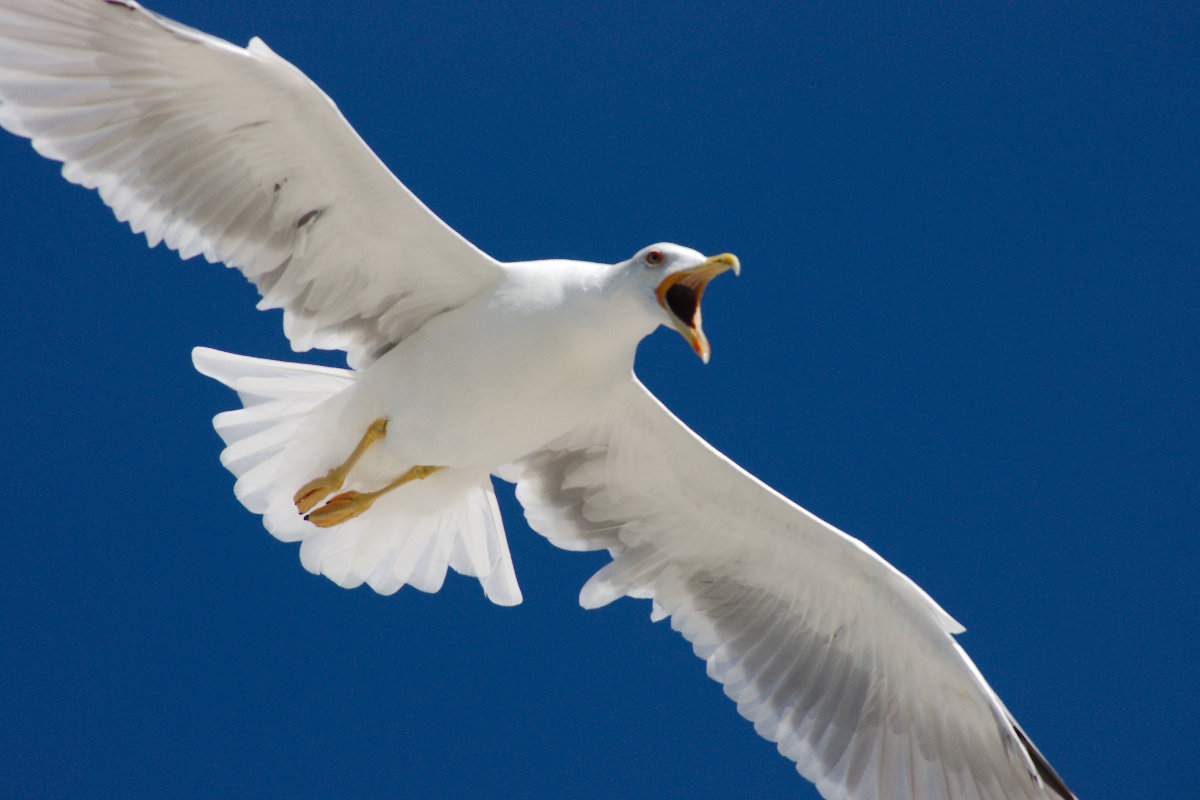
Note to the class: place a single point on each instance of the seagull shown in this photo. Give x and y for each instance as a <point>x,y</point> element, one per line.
<point>463,369</point>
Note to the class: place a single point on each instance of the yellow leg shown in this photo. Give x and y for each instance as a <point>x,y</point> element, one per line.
<point>317,489</point>
<point>349,505</point>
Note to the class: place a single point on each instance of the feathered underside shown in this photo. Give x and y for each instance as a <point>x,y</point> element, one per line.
<point>830,651</point>
<point>233,154</point>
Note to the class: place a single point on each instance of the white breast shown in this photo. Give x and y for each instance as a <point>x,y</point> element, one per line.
<point>491,381</point>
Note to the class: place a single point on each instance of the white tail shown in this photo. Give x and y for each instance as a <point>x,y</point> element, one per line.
<point>282,438</point>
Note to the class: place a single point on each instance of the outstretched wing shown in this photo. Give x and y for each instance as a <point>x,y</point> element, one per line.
<point>233,153</point>
<point>832,653</point>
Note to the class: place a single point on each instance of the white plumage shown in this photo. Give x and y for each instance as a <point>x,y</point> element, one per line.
<point>523,371</point>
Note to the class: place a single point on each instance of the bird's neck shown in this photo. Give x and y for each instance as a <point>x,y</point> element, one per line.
<point>587,304</point>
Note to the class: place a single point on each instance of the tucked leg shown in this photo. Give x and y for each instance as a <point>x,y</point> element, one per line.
<point>348,505</point>
<point>317,489</point>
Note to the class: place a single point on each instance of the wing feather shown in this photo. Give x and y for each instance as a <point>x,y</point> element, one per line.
<point>830,651</point>
<point>233,154</point>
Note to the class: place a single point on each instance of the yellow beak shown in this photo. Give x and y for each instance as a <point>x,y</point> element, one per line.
<point>680,292</point>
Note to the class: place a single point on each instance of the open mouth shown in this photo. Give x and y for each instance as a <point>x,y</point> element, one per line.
<point>680,293</point>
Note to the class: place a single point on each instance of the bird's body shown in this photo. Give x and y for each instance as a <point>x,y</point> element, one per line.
<point>463,368</point>
<point>542,349</point>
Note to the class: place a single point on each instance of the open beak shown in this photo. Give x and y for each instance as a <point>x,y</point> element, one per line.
<point>680,292</point>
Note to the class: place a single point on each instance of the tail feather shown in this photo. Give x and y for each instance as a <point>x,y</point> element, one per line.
<point>234,426</point>
<point>281,438</point>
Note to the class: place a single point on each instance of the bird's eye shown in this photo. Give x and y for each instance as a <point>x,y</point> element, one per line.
<point>654,258</point>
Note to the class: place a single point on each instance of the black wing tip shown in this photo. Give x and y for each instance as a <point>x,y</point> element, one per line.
<point>1046,772</point>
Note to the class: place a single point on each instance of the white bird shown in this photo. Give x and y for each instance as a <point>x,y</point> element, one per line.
<point>464,368</point>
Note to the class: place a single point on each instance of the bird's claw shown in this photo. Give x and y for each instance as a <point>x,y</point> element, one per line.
<point>315,491</point>
<point>340,508</point>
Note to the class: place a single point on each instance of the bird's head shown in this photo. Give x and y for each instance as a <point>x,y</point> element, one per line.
<point>675,277</point>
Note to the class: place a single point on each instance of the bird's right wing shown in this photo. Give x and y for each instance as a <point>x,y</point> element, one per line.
<point>233,153</point>
<point>829,650</point>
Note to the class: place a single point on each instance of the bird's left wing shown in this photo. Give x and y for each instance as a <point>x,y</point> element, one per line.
<point>233,153</point>
<point>833,654</point>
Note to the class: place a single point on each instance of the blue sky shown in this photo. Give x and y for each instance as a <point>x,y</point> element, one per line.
<point>965,332</point>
